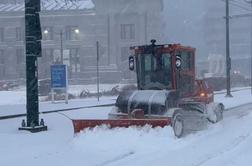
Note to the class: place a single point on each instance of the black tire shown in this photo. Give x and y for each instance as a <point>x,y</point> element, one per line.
<point>178,125</point>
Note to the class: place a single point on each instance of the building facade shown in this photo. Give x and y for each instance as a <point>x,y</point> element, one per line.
<point>70,30</point>
<point>240,33</point>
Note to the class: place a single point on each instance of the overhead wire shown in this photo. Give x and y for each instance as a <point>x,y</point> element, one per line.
<point>242,4</point>
<point>236,4</point>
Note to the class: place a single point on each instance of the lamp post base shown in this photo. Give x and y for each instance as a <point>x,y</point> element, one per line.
<point>228,95</point>
<point>35,129</point>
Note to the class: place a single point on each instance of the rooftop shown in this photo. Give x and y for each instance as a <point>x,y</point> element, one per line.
<point>51,5</point>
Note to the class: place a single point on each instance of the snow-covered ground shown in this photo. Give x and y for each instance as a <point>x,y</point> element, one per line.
<point>14,102</point>
<point>225,143</point>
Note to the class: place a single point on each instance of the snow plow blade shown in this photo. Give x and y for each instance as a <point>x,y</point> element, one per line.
<point>83,124</point>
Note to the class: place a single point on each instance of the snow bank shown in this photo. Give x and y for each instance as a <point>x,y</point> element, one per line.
<point>225,143</point>
<point>111,145</point>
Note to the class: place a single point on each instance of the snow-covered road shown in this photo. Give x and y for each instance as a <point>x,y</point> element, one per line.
<point>225,143</point>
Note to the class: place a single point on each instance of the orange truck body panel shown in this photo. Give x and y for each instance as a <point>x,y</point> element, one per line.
<point>80,125</point>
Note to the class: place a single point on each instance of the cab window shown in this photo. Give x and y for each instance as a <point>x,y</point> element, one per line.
<point>187,60</point>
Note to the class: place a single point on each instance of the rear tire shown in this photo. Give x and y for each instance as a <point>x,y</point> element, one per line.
<point>178,125</point>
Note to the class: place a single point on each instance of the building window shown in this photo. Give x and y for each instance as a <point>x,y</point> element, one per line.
<point>47,33</point>
<point>1,34</point>
<point>71,58</point>
<point>20,56</point>
<point>2,57</point>
<point>44,62</point>
<point>72,33</point>
<point>186,57</point>
<point>125,52</point>
<point>56,57</point>
<point>2,61</point>
<point>127,31</point>
<point>47,55</point>
<point>75,60</point>
<point>19,34</point>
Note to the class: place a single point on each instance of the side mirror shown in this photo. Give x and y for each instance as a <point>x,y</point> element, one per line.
<point>178,62</point>
<point>131,63</point>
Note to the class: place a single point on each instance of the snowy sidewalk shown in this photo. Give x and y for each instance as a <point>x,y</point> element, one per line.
<point>13,103</point>
<point>13,109</point>
<point>239,98</point>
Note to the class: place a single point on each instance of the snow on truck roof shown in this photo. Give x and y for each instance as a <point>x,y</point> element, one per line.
<point>50,5</point>
<point>163,46</point>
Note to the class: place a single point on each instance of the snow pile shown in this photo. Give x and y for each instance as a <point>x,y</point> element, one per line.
<point>225,143</point>
<point>110,145</point>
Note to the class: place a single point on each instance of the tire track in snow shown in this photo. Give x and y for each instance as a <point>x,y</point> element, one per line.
<point>238,111</point>
<point>230,147</point>
<point>117,158</point>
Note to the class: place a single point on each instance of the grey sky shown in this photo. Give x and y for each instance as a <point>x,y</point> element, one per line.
<point>184,23</point>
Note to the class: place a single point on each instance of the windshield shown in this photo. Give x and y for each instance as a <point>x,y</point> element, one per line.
<point>155,71</point>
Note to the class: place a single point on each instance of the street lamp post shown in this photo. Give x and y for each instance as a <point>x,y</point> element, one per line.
<point>61,47</point>
<point>46,32</point>
<point>250,1</point>
<point>251,51</point>
<point>98,77</point>
<point>228,59</point>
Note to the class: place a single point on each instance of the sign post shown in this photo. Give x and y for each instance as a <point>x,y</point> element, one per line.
<point>59,80</point>
<point>97,71</point>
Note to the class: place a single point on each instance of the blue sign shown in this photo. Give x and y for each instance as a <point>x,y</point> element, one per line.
<point>58,76</point>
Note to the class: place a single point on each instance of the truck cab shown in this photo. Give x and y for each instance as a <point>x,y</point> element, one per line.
<point>164,67</point>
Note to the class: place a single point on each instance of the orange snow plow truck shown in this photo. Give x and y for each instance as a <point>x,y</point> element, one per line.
<point>168,93</point>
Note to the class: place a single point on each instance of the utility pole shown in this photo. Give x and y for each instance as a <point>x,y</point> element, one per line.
<point>228,59</point>
<point>61,47</point>
<point>33,38</point>
<point>98,79</point>
<point>251,50</point>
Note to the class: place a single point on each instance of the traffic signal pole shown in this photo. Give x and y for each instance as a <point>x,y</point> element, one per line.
<point>32,103</point>
<point>33,38</point>
<point>251,49</point>
<point>228,59</point>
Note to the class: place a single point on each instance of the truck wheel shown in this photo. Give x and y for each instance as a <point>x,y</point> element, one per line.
<point>217,114</point>
<point>178,125</point>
